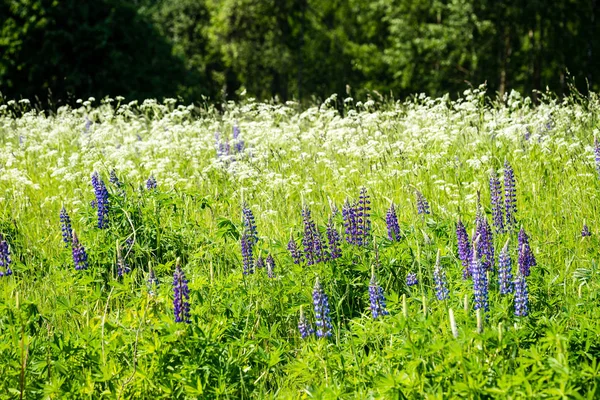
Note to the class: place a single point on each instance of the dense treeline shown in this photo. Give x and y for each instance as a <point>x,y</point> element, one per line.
<point>293,49</point>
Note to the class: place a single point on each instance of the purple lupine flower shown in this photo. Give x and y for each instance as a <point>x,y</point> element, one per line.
<point>181,296</point>
<point>334,239</point>
<point>294,251</point>
<point>5,259</point>
<point>376,298</point>
<point>79,255</point>
<point>597,154</point>
<point>65,227</point>
<point>270,266</point>
<point>480,282</point>
<point>249,224</point>
<point>114,179</point>
<point>350,222</point>
<point>391,220</point>
<point>304,326</point>
<point>464,248</point>
<point>497,203</point>
<point>151,183</point>
<point>247,249</point>
<point>510,195</point>
<point>363,217</point>
<point>101,199</point>
<point>585,231</point>
<point>321,305</point>
<point>505,278</point>
<point>260,262</point>
<point>521,296</point>
<point>485,244</point>
<point>439,278</point>
<point>411,279</point>
<point>238,143</point>
<point>312,242</point>
<point>422,204</point>
<point>122,266</point>
<point>526,257</point>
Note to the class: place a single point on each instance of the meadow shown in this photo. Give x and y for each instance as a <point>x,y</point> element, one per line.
<point>427,248</point>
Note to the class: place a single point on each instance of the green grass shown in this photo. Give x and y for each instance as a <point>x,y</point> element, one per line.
<point>91,334</point>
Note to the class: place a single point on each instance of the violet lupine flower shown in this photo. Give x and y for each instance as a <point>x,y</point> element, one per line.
<point>597,154</point>
<point>5,259</point>
<point>485,244</point>
<point>363,217</point>
<point>376,298</point>
<point>101,199</point>
<point>585,231</point>
<point>422,204</point>
<point>334,239</point>
<point>249,224</point>
<point>350,222</point>
<point>79,255</point>
<point>480,282</point>
<point>464,248</point>
<point>497,203</point>
<point>510,195</point>
<point>505,278</point>
<point>294,251</point>
<point>151,183</point>
<point>238,142</point>
<point>304,326</point>
<point>247,257</point>
<point>321,305</point>
<point>270,266</point>
<point>181,296</point>
<point>114,179</point>
<point>391,220</point>
<point>122,266</point>
<point>439,278</point>
<point>411,279</point>
<point>260,262</point>
<point>521,296</point>
<point>526,257</point>
<point>65,227</point>
<point>313,245</point>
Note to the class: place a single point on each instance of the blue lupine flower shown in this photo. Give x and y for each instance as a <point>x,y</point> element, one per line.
<point>521,296</point>
<point>313,244</point>
<point>485,244</point>
<point>411,279</point>
<point>464,248</point>
<point>247,249</point>
<point>585,231</point>
<point>181,296</point>
<point>321,305</point>
<point>249,224</point>
<point>334,239</point>
<point>363,217</point>
<point>114,179</point>
<point>151,183</point>
<point>510,195</point>
<point>101,200</point>
<point>238,143</point>
<point>350,222</point>
<point>122,266</point>
<point>304,326</point>
<point>480,282</point>
<point>294,251</point>
<point>391,220</point>
<point>422,204</point>
<point>260,262</point>
<point>439,278</point>
<point>526,257</point>
<point>5,259</point>
<point>65,227</point>
<point>79,255</point>
<point>505,278</point>
<point>376,298</point>
<point>270,266</point>
<point>497,203</point>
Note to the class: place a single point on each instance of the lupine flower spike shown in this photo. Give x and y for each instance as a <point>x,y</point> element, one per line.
<point>464,248</point>
<point>597,154</point>
<point>363,214</point>
<point>334,239</point>
<point>79,255</point>
<point>249,223</point>
<point>181,296</point>
<point>422,204</point>
<point>376,297</point>
<point>294,251</point>
<point>526,257</point>
<point>65,227</point>
<point>247,257</point>
<point>350,222</point>
<point>270,266</point>
<point>521,296</point>
<point>114,179</point>
<point>101,199</point>
<point>391,220</point>
<point>411,279</point>
<point>480,283</point>
<point>485,245</point>
<point>439,277</point>
<point>497,203</point>
<point>151,183</point>
<point>313,244</point>
<point>321,305</point>
<point>585,231</point>
<point>304,326</point>
<point>510,195</point>
<point>505,278</point>
<point>5,259</point>
<point>122,267</point>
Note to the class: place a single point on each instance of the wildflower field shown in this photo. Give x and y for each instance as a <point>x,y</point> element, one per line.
<point>431,248</point>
